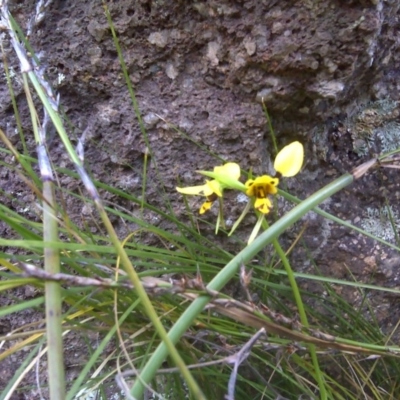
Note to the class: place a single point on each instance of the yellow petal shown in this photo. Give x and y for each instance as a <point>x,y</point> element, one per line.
<point>250,187</point>
<point>215,187</point>
<point>228,176</point>
<point>205,206</point>
<point>226,181</point>
<point>263,205</point>
<point>204,190</point>
<point>266,182</point>
<point>229,169</point>
<point>289,160</point>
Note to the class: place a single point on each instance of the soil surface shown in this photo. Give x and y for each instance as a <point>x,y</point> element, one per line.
<point>327,71</point>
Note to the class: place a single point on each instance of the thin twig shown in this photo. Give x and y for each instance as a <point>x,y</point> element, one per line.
<point>238,359</point>
<point>246,313</point>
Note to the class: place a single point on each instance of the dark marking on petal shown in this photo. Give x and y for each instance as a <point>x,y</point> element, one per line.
<point>212,197</point>
<point>260,194</point>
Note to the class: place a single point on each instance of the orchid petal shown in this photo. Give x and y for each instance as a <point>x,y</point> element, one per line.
<point>263,205</point>
<point>204,190</point>
<point>215,187</point>
<point>205,206</point>
<point>289,160</point>
<point>230,169</point>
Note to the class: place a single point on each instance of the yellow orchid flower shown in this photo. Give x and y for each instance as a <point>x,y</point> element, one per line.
<point>213,189</point>
<point>260,188</point>
<point>287,163</point>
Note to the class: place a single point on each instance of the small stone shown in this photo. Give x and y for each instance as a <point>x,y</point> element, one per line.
<point>185,124</point>
<point>242,198</point>
<point>171,71</point>
<point>87,210</point>
<point>304,110</point>
<point>160,39</point>
<point>97,30</point>
<point>212,50</point>
<point>327,89</point>
<point>370,261</point>
<point>150,120</point>
<point>95,54</point>
<point>250,46</point>
<point>277,28</point>
<point>264,95</point>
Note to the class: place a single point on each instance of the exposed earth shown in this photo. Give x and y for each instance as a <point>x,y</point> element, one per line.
<point>327,71</point>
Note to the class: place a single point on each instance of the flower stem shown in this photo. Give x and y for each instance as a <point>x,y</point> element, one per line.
<point>300,306</point>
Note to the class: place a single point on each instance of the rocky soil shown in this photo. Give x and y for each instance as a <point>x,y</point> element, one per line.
<point>328,72</point>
